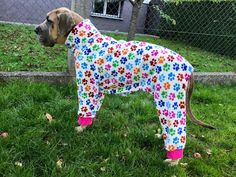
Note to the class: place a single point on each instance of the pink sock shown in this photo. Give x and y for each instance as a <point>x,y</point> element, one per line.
<point>85,121</point>
<point>176,154</point>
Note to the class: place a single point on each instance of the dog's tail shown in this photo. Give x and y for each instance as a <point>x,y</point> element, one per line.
<point>188,106</point>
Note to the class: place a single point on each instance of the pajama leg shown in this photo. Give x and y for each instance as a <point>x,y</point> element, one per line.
<point>89,107</point>
<point>171,110</point>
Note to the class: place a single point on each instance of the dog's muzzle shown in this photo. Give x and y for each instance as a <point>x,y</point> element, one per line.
<point>44,37</point>
<point>38,30</point>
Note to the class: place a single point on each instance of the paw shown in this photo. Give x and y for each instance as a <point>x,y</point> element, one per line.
<point>171,162</point>
<point>80,129</point>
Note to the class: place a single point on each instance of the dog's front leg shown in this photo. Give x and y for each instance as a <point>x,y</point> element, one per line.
<point>80,128</point>
<point>89,98</point>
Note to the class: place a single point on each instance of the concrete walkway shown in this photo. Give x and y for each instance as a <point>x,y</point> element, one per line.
<point>228,78</point>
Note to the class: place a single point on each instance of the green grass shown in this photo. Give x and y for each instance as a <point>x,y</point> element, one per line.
<point>20,50</point>
<point>121,141</point>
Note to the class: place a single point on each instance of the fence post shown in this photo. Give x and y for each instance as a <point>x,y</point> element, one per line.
<point>80,6</point>
<point>71,63</point>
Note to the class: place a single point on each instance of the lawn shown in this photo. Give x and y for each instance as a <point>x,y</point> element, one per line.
<point>120,143</point>
<point>122,140</point>
<point>21,51</point>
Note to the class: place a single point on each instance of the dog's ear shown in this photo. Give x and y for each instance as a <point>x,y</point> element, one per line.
<point>65,23</point>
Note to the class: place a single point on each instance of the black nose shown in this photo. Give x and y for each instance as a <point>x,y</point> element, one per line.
<point>37,30</point>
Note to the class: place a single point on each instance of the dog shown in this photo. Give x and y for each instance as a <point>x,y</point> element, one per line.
<point>107,66</point>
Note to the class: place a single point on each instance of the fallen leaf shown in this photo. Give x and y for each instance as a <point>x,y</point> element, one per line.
<point>106,160</point>
<point>208,151</point>
<point>49,117</point>
<point>158,136</point>
<point>117,154</point>
<point>103,169</point>
<point>184,164</point>
<point>4,135</point>
<point>19,164</point>
<point>47,142</point>
<point>228,150</point>
<point>125,135</point>
<point>64,144</point>
<point>197,155</point>
<point>60,163</point>
<point>128,151</point>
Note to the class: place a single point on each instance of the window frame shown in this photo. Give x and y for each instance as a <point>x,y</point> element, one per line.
<point>104,14</point>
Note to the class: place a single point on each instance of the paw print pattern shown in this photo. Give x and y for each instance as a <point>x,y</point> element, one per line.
<point>105,65</point>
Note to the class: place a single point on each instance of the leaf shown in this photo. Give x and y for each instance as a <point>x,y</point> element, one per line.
<point>106,160</point>
<point>197,155</point>
<point>49,117</point>
<point>19,164</point>
<point>103,169</point>
<point>64,144</point>
<point>184,164</point>
<point>158,136</point>
<point>60,163</point>
<point>4,135</point>
<point>208,151</point>
<point>47,142</point>
<point>125,135</point>
<point>128,151</point>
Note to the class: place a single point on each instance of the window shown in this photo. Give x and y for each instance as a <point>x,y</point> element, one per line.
<point>107,8</point>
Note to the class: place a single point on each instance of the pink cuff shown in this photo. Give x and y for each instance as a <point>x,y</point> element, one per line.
<point>176,154</point>
<point>84,121</point>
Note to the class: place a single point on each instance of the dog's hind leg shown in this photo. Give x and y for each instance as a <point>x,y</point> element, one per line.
<point>171,108</point>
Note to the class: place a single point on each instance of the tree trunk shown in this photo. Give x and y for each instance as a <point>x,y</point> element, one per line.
<point>134,18</point>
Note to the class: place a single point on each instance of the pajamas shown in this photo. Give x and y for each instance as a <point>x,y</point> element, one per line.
<point>107,66</point>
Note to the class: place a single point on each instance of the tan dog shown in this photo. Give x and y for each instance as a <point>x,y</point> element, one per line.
<point>57,26</point>
<point>55,29</point>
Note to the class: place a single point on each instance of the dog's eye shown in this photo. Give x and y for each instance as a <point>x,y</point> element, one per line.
<point>48,20</point>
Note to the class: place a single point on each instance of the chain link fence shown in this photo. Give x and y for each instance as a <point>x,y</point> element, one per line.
<point>28,11</point>
<point>210,25</point>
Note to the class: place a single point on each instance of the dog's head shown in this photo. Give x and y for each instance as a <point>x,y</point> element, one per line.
<point>57,26</point>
